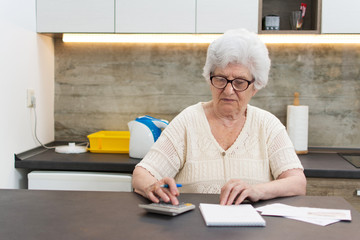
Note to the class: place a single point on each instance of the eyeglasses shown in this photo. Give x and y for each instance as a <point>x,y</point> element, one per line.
<point>238,84</point>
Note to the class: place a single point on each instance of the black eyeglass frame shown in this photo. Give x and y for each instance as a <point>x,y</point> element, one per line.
<point>231,82</point>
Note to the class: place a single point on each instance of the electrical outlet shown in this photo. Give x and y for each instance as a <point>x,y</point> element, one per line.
<point>30,98</point>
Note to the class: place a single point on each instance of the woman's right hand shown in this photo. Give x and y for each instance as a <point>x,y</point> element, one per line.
<point>155,192</point>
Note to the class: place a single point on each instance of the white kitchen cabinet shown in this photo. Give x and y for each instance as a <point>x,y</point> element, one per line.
<point>155,16</point>
<point>340,16</point>
<point>63,16</point>
<point>144,16</point>
<point>79,181</point>
<point>217,16</point>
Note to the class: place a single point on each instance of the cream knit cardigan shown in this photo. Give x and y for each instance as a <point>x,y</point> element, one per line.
<point>188,152</point>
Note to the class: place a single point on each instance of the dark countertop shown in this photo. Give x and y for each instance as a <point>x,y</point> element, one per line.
<point>328,165</point>
<point>35,214</point>
<point>319,162</point>
<point>47,159</point>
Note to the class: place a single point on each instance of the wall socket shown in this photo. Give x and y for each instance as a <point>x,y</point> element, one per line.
<point>30,98</point>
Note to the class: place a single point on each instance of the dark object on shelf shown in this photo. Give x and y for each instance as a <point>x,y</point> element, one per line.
<point>271,22</point>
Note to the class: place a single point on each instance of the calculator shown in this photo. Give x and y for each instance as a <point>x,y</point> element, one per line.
<point>167,208</point>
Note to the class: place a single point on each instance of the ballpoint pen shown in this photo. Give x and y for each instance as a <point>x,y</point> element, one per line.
<point>167,186</point>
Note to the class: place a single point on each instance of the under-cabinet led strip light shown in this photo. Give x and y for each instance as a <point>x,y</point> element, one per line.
<point>141,38</point>
<point>310,38</point>
<point>208,38</point>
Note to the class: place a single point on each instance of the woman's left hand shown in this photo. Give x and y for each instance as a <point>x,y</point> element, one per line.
<point>289,183</point>
<point>236,191</point>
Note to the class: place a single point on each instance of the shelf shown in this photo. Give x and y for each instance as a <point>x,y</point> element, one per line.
<point>283,8</point>
<point>289,32</point>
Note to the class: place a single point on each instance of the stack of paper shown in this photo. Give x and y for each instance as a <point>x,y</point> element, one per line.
<point>319,216</point>
<point>233,215</point>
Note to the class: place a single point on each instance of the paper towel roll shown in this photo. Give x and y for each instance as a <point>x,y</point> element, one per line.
<point>297,127</point>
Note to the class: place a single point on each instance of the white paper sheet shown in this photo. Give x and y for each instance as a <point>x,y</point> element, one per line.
<point>319,216</point>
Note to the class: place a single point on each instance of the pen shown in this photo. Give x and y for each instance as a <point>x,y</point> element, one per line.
<point>167,186</point>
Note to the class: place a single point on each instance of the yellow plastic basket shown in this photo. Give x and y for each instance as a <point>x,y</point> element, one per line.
<point>109,142</point>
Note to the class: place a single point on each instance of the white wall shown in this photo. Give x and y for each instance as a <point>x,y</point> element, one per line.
<point>26,61</point>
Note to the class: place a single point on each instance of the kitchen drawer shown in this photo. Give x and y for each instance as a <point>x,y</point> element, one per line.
<point>79,181</point>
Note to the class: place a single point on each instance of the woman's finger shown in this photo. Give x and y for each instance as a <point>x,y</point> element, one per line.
<point>172,186</point>
<point>149,191</point>
<point>152,197</point>
<point>224,196</point>
<point>225,192</point>
<point>160,192</point>
<point>235,192</point>
<point>155,192</point>
<point>242,196</point>
<point>173,198</point>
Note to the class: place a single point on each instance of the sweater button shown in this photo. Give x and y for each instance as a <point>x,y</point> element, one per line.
<point>223,154</point>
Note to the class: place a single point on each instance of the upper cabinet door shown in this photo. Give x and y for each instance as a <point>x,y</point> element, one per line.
<point>217,16</point>
<point>62,16</point>
<point>155,16</point>
<point>340,16</point>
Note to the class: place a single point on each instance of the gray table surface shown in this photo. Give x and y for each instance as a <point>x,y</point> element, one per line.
<point>34,214</point>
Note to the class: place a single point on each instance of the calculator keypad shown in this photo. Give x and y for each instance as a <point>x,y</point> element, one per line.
<point>167,208</point>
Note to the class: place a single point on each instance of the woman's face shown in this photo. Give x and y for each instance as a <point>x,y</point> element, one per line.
<point>227,101</point>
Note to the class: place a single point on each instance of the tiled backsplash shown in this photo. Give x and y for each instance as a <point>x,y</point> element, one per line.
<point>102,86</point>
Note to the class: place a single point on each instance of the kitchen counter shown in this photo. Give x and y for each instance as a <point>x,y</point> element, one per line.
<point>47,159</point>
<point>320,162</point>
<point>327,163</point>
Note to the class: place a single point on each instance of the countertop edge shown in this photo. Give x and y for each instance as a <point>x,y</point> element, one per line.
<point>128,165</point>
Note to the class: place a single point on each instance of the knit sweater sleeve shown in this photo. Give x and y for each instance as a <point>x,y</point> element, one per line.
<point>281,152</point>
<point>166,156</point>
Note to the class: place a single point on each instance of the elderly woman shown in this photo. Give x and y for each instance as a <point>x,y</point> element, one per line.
<point>225,146</point>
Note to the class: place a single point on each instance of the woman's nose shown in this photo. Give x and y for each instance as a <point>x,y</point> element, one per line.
<point>229,89</point>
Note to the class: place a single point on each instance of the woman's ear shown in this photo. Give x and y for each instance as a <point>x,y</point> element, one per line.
<point>254,92</point>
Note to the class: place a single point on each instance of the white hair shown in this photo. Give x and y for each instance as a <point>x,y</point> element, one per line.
<point>239,46</point>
